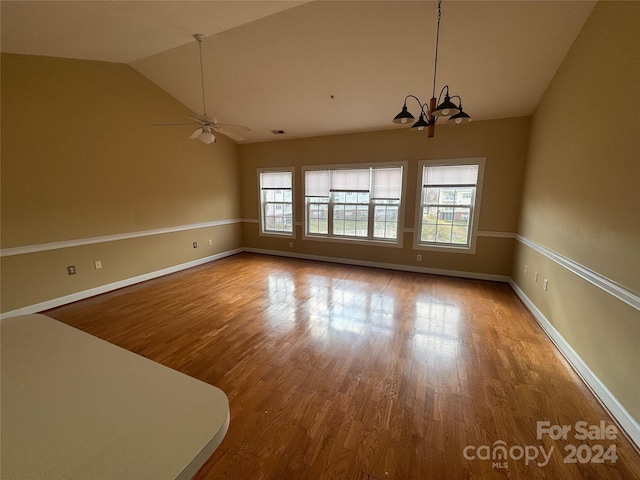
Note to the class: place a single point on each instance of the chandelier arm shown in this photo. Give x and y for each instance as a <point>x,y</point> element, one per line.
<point>459,100</point>
<point>422,105</point>
<point>414,97</point>
<point>446,87</point>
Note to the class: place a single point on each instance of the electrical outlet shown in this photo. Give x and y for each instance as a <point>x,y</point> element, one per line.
<point>419,257</point>
<point>545,284</point>
<point>71,270</point>
<point>210,242</point>
<point>195,244</point>
<point>526,269</point>
<point>290,244</point>
<point>97,264</point>
<point>535,279</point>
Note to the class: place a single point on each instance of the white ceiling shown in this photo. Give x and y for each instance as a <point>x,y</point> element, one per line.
<point>313,68</point>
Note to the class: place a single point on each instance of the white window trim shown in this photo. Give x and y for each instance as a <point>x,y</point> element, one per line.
<point>471,249</point>
<point>351,240</point>
<point>261,229</point>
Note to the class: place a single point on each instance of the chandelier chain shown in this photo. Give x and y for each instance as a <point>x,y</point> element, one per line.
<point>435,63</point>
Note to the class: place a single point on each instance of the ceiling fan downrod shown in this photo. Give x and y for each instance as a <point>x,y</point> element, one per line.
<point>200,38</point>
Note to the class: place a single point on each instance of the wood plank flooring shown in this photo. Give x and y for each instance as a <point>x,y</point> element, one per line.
<point>344,372</point>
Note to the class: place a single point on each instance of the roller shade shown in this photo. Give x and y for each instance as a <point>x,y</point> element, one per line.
<point>387,183</point>
<point>350,180</point>
<point>382,183</point>
<point>317,183</point>
<point>450,175</point>
<point>275,180</point>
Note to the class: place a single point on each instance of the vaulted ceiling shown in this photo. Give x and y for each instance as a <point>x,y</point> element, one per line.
<point>313,68</point>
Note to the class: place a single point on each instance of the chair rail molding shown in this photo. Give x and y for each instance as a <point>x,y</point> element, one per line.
<point>621,293</point>
<point>42,247</point>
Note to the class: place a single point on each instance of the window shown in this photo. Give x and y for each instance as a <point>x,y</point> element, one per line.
<point>447,213</point>
<point>354,203</point>
<point>276,202</point>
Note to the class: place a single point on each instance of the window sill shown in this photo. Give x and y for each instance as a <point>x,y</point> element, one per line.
<point>355,241</point>
<point>291,235</point>
<point>447,248</point>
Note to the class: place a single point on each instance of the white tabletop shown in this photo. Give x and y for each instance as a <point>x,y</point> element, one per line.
<point>76,407</point>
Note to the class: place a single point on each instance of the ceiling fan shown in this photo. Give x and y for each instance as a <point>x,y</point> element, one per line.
<point>206,124</point>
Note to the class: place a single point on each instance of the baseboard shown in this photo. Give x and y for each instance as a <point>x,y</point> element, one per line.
<point>604,395</point>
<point>74,297</point>
<point>387,266</point>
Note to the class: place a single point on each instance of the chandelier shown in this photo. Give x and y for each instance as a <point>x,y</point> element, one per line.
<point>429,113</point>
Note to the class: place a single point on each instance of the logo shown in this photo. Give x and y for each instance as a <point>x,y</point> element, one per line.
<point>500,453</point>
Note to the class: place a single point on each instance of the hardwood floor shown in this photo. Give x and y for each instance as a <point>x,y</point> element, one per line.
<point>344,372</point>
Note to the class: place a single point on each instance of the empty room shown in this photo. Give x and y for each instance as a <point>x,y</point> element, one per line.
<point>320,240</point>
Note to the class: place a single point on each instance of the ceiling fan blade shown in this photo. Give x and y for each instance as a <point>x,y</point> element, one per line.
<point>239,127</point>
<point>201,121</point>
<point>196,133</point>
<point>231,135</point>
<point>170,124</point>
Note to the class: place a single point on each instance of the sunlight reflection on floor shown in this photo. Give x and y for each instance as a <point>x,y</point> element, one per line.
<point>350,308</point>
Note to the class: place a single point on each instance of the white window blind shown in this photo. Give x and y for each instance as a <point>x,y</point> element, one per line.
<point>350,180</point>
<point>383,183</point>
<point>275,179</point>
<point>317,183</point>
<point>387,183</point>
<point>450,175</point>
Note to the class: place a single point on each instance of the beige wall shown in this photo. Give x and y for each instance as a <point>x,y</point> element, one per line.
<point>581,197</point>
<point>502,142</point>
<point>80,160</point>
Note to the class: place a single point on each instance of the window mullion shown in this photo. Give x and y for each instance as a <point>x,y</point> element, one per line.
<point>330,216</point>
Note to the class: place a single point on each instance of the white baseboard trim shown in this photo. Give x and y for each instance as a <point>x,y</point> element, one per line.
<point>74,297</point>
<point>387,266</point>
<point>604,395</point>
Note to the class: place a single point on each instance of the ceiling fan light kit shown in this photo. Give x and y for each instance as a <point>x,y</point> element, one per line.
<point>207,125</point>
<point>429,113</point>
<point>207,137</point>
